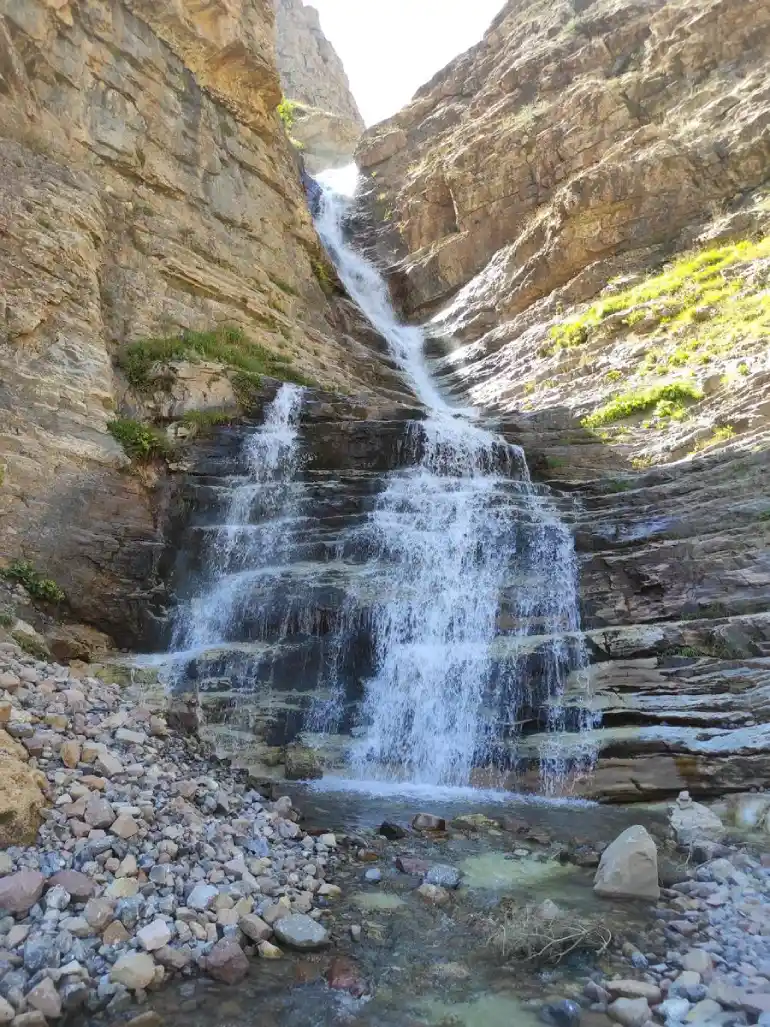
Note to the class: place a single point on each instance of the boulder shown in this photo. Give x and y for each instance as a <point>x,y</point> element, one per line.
<point>629,867</point>
<point>227,962</point>
<point>692,822</point>
<point>630,1012</point>
<point>20,891</point>
<point>428,822</point>
<point>302,764</point>
<point>22,795</point>
<point>299,931</point>
<point>134,971</point>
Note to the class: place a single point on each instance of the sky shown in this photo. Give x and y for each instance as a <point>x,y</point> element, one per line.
<point>392,47</point>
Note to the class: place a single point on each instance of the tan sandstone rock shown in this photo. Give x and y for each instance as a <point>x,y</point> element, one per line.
<point>22,794</point>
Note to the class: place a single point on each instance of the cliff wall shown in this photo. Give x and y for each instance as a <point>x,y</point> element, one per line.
<point>147,189</point>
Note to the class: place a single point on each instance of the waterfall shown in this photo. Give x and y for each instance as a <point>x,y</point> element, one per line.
<point>245,553</point>
<point>452,539</point>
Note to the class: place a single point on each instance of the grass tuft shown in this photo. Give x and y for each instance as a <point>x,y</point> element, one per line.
<point>227,345</point>
<point>141,442</point>
<point>39,587</point>
<point>667,400</point>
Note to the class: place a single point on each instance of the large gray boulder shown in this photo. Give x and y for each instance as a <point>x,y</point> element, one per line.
<point>629,867</point>
<point>692,822</point>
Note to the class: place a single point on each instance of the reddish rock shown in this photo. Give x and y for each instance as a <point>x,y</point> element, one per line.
<point>227,962</point>
<point>412,865</point>
<point>344,975</point>
<point>20,891</point>
<point>78,885</point>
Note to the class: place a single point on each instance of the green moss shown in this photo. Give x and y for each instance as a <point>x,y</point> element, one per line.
<point>36,584</point>
<point>723,434</point>
<point>287,112</point>
<point>324,276</point>
<point>687,651</point>
<point>673,394</point>
<point>7,617</point>
<point>30,645</point>
<point>618,485</point>
<point>227,345</point>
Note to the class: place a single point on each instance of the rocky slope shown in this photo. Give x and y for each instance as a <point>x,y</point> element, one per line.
<point>147,190</point>
<point>327,122</point>
<point>580,206</point>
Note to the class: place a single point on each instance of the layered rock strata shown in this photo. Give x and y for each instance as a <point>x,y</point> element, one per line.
<point>147,188</point>
<point>579,206</point>
<point>327,122</point>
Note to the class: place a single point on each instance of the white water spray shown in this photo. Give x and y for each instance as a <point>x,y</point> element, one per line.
<point>256,538</point>
<point>448,537</point>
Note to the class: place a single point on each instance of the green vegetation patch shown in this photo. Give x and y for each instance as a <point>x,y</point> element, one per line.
<point>30,645</point>
<point>39,587</point>
<point>667,400</point>
<point>227,345</point>
<point>703,295</point>
<point>287,112</point>
<point>202,420</point>
<point>141,442</point>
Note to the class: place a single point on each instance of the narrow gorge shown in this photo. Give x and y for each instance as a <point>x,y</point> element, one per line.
<point>352,472</point>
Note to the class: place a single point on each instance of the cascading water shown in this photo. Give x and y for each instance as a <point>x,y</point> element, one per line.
<point>451,541</point>
<point>220,630</point>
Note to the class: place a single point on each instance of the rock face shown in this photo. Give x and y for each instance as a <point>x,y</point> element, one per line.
<point>574,208</point>
<point>519,149</point>
<point>629,867</point>
<point>147,188</point>
<point>327,122</point>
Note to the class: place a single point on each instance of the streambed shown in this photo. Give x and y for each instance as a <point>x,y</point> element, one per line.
<point>420,963</point>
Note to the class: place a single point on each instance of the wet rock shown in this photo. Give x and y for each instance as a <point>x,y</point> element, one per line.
<point>7,1012</point>
<point>344,975</point>
<point>392,831</point>
<point>20,891</point>
<point>299,931</point>
<point>267,950</point>
<point>373,876</point>
<point>433,894</point>
<point>302,764</point>
<point>629,867</point>
<point>428,822</point>
<point>135,971</point>
<point>227,962</point>
<point>562,1014</point>
<point>634,989</point>
<point>444,876</point>
<point>412,865</point>
<point>630,1012</point>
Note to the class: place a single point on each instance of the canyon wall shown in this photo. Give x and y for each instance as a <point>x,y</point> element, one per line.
<point>147,190</point>
<point>579,209</point>
<point>326,120</point>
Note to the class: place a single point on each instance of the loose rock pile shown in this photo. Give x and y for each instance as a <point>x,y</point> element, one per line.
<point>716,970</point>
<point>150,861</point>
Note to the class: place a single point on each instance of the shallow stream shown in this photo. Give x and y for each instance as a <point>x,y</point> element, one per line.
<point>422,964</point>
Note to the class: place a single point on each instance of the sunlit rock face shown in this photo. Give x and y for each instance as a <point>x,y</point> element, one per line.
<point>578,206</point>
<point>327,121</point>
<point>146,187</point>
